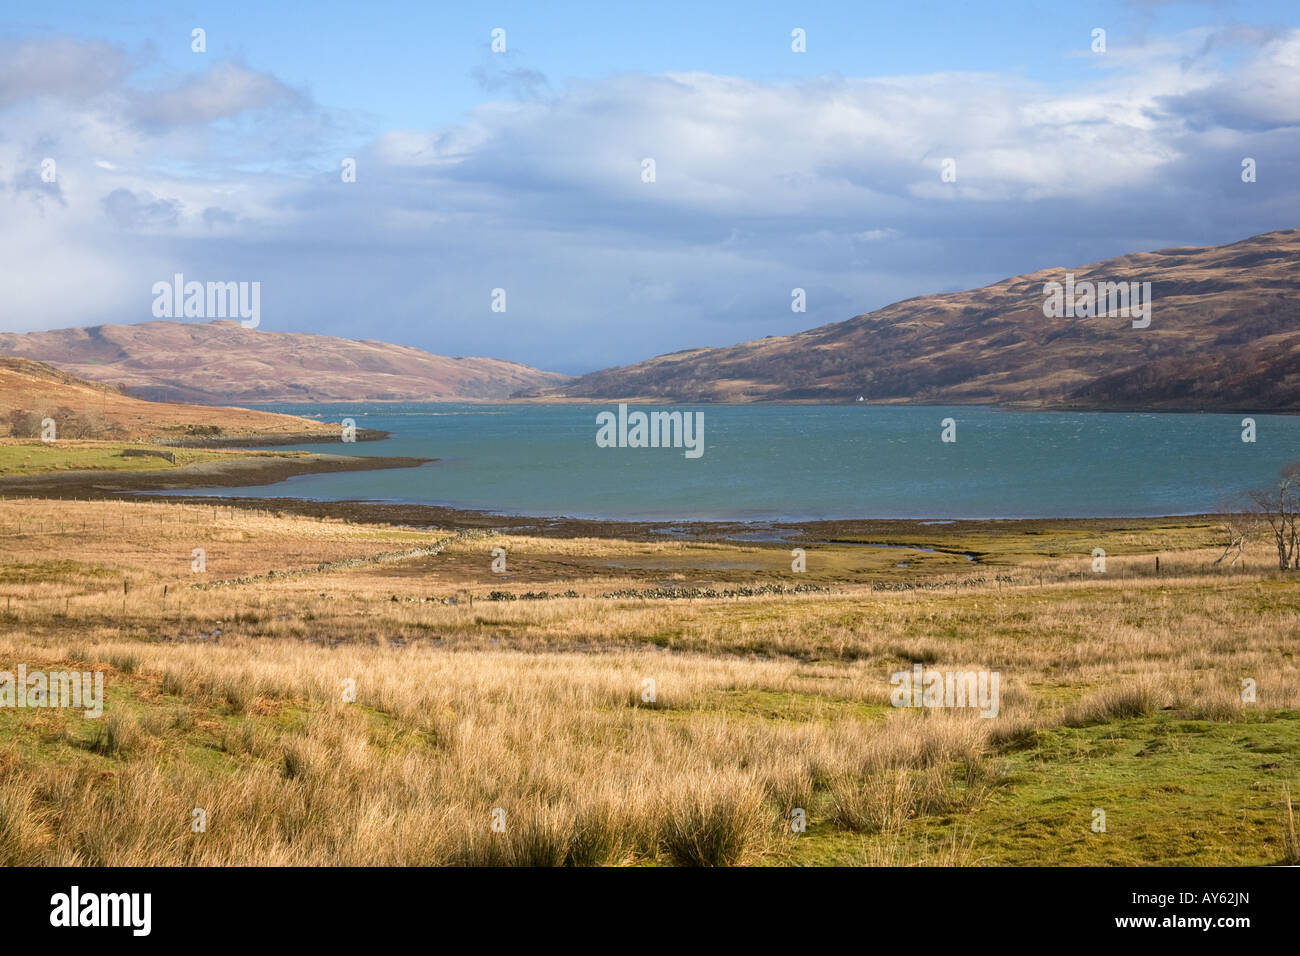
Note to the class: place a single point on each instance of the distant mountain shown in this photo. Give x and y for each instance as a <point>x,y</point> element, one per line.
<point>223,362</point>
<point>30,391</point>
<point>1224,334</point>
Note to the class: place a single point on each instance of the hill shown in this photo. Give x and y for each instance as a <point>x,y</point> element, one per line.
<point>222,362</point>
<point>31,391</point>
<point>1224,335</point>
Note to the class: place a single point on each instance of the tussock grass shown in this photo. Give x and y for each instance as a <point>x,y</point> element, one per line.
<point>116,735</point>
<point>22,826</point>
<point>229,699</point>
<point>713,822</point>
<point>1117,703</point>
<point>126,663</point>
<point>583,775</point>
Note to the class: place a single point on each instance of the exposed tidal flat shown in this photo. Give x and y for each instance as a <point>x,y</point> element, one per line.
<point>804,463</point>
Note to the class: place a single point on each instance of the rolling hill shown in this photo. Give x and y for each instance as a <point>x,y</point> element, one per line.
<point>1224,335</point>
<point>221,362</point>
<point>93,410</point>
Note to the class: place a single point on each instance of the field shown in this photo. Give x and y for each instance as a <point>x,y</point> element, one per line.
<point>36,458</point>
<point>324,691</point>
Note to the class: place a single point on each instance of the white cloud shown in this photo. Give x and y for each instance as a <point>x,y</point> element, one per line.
<point>832,185</point>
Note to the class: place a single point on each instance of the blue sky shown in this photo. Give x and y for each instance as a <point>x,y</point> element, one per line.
<point>411,64</point>
<point>480,170</point>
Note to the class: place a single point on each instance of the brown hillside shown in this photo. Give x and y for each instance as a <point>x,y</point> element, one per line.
<point>103,411</point>
<point>1224,334</point>
<point>222,362</point>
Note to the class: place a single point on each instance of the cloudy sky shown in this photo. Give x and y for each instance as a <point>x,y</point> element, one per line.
<point>523,169</point>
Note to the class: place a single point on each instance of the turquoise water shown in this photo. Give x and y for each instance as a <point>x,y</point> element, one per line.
<point>805,462</point>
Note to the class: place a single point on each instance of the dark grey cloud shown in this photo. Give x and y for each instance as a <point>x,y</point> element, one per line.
<point>1262,94</point>
<point>126,210</point>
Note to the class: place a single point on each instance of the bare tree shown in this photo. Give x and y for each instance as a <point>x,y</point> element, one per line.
<point>1279,507</point>
<point>1240,527</point>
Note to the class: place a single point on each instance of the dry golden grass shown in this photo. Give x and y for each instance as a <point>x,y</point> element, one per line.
<point>435,741</point>
<point>231,698</point>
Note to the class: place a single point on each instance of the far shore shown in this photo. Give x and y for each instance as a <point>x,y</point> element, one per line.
<point>269,441</point>
<point>236,471</point>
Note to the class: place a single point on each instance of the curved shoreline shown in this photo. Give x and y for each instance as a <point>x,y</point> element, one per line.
<point>894,532</point>
<point>265,468</point>
<point>238,472</point>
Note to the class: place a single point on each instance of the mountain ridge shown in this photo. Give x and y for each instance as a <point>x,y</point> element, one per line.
<point>1224,335</point>
<point>221,362</point>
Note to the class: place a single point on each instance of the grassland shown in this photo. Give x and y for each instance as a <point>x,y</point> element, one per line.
<point>529,692</point>
<point>34,457</point>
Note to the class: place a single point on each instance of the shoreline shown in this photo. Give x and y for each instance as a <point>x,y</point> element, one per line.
<point>901,532</point>
<point>268,441</point>
<point>267,468</point>
<point>237,472</point>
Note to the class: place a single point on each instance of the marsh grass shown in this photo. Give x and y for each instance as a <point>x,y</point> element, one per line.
<point>228,698</point>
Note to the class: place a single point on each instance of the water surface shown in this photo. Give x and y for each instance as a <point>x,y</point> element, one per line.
<point>804,462</point>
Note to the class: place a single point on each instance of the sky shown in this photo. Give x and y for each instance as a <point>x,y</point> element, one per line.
<point>523,169</point>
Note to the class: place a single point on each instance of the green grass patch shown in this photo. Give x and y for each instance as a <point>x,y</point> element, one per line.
<point>37,457</point>
<point>1175,792</point>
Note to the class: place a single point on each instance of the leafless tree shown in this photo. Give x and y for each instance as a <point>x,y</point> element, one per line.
<point>24,424</point>
<point>1279,507</point>
<point>1238,529</point>
<point>1241,526</point>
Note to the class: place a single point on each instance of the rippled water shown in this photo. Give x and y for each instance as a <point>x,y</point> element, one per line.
<point>806,462</point>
